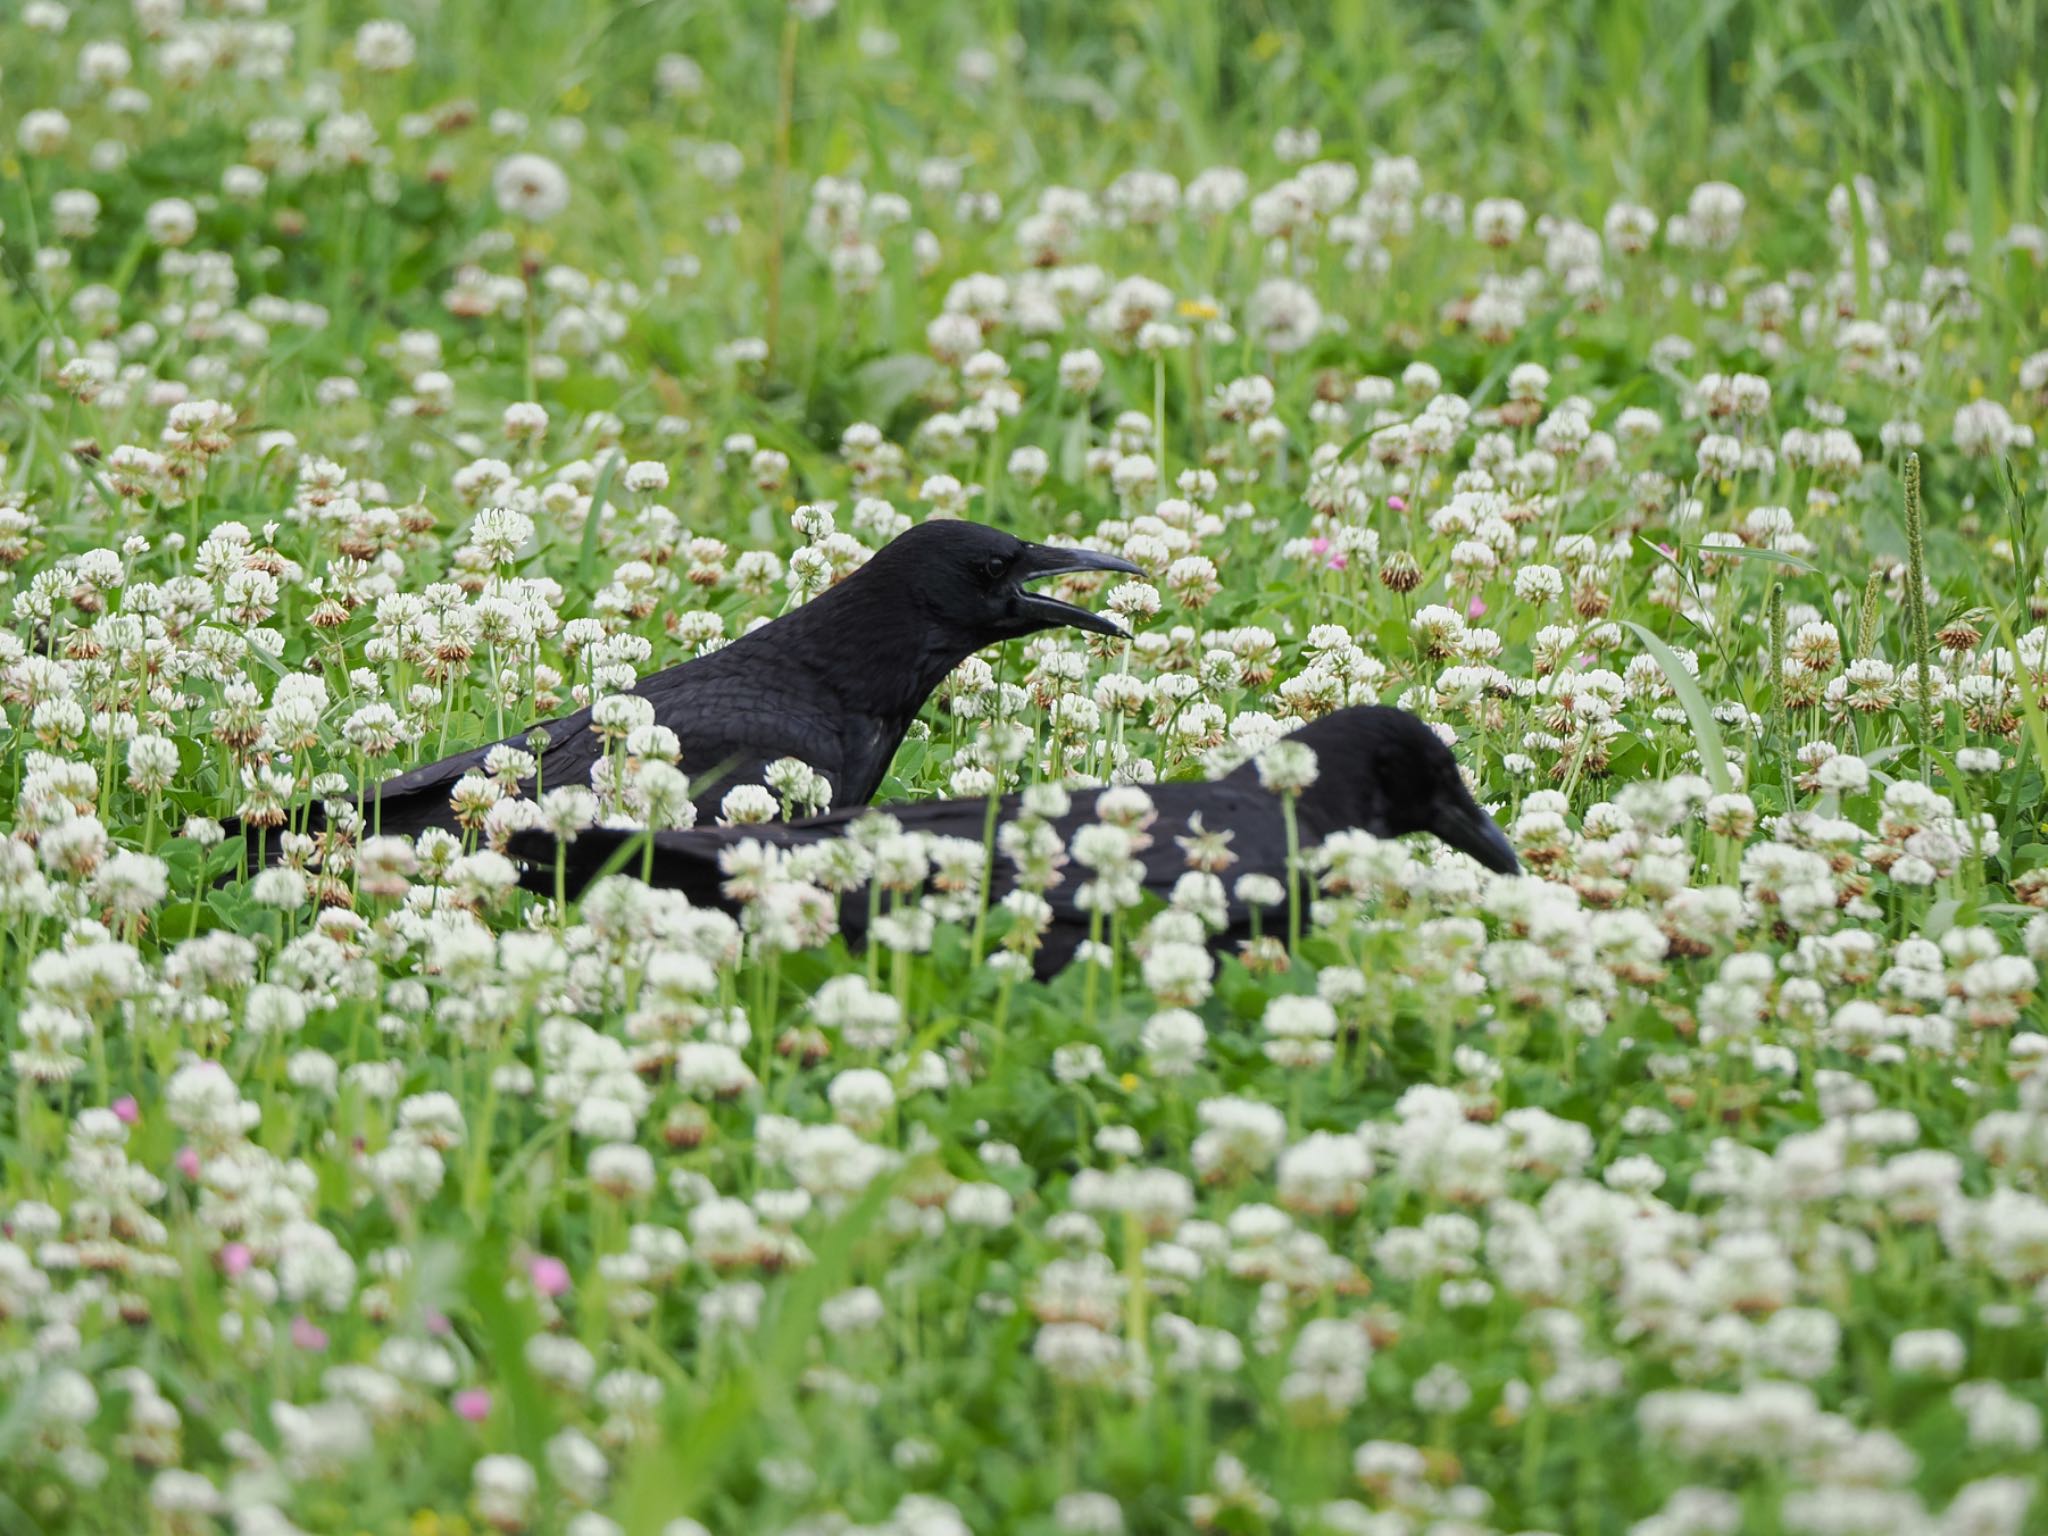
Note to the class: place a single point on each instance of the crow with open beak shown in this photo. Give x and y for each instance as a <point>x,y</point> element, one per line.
<point>835,683</point>
<point>1379,770</point>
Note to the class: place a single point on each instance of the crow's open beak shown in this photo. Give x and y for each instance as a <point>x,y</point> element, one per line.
<point>1469,829</point>
<point>1042,560</point>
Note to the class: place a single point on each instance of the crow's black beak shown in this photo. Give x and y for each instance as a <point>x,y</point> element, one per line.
<point>1042,560</point>
<point>1469,829</point>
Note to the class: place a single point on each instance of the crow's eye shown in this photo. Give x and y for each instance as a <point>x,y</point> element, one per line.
<point>994,566</point>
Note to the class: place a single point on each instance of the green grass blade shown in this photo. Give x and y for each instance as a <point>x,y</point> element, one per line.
<point>586,554</point>
<point>1713,757</point>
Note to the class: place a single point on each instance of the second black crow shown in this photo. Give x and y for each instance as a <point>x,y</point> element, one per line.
<point>1379,770</point>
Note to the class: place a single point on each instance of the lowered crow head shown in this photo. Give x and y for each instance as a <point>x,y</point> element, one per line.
<point>1388,772</point>
<point>970,581</point>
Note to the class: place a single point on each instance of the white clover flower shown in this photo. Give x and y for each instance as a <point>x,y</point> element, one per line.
<point>1844,774</point>
<point>1499,221</point>
<point>1984,429</point>
<point>525,421</point>
<point>748,803</point>
<point>502,1490</point>
<point>530,187</point>
<point>280,888</point>
<point>1029,465</point>
<point>1928,1352</point>
<point>1088,1514</point>
<point>1287,767</point>
<point>861,1098</point>
<point>171,221</point>
<point>1714,214</point>
<point>42,132</point>
<point>1283,315</point>
<point>384,47</point>
<point>678,75</point>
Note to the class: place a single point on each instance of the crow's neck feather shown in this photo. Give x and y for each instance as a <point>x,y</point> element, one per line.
<point>871,644</point>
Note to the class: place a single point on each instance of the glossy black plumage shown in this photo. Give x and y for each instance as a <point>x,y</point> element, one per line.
<point>835,683</point>
<point>1380,770</point>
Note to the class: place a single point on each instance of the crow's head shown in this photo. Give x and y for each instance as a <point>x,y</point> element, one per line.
<point>1386,771</point>
<point>971,581</point>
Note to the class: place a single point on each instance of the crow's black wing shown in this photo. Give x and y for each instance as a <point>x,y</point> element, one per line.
<point>730,729</point>
<point>409,803</point>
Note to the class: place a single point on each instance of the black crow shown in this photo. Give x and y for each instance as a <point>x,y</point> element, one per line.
<point>1380,770</point>
<point>835,683</point>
